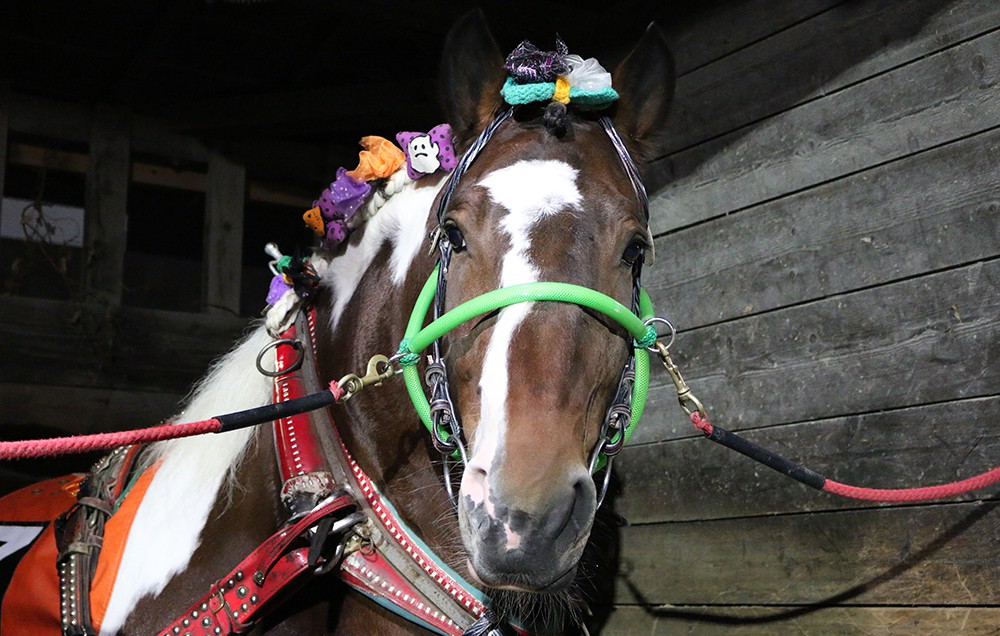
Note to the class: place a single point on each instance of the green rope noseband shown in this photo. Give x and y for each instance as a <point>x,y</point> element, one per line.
<point>417,338</point>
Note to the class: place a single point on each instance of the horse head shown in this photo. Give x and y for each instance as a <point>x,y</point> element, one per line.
<point>549,198</point>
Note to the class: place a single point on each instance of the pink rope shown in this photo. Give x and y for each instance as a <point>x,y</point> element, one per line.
<point>914,494</point>
<point>103,441</point>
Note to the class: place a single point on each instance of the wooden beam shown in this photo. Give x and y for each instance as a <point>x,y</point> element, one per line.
<point>106,219</point>
<point>751,620</point>
<point>128,349</point>
<point>225,196</point>
<point>936,555</point>
<point>149,173</point>
<point>4,124</point>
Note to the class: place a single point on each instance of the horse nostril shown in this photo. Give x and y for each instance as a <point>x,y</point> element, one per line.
<point>474,484</point>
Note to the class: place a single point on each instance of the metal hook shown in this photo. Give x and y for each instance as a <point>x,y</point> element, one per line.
<point>379,369</point>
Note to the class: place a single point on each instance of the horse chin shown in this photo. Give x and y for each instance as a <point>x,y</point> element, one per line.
<point>516,582</point>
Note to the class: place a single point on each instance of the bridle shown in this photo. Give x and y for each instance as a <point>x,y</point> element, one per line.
<point>438,413</point>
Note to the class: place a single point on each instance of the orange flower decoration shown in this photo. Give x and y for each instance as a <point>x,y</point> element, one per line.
<point>379,159</point>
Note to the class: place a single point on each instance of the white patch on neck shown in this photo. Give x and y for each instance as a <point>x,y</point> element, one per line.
<point>168,525</point>
<point>402,220</point>
<point>530,191</point>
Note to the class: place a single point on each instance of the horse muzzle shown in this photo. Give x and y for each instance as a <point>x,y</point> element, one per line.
<point>533,544</point>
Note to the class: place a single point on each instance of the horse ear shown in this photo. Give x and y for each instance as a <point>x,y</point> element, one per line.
<point>645,84</point>
<point>472,75</point>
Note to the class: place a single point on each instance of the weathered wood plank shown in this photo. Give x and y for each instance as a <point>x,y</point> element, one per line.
<point>4,127</point>
<point>225,195</point>
<point>693,478</point>
<point>728,27</point>
<point>835,49</point>
<point>69,344</point>
<point>929,555</point>
<point>933,100</point>
<point>78,411</point>
<point>150,173</point>
<point>106,219</point>
<point>888,223</point>
<point>928,339</point>
<point>828,621</point>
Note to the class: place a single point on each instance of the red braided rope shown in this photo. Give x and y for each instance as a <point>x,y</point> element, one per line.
<point>914,494</point>
<point>103,441</point>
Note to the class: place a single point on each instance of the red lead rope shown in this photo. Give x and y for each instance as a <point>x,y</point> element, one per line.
<point>219,424</point>
<point>103,441</point>
<point>819,482</point>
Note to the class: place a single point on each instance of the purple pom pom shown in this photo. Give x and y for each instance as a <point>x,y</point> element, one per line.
<point>336,232</point>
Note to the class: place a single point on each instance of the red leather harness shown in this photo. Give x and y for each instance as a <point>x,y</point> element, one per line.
<point>384,559</point>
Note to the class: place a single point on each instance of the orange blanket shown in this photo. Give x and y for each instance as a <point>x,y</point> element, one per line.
<point>29,581</point>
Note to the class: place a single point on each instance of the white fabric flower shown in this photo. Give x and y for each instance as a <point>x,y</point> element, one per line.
<point>587,75</point>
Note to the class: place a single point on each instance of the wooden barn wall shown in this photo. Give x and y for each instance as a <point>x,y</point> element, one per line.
<point>827,242</point>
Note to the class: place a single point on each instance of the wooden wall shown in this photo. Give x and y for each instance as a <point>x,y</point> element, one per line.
<point>827,242</point>
<point>90,363</point>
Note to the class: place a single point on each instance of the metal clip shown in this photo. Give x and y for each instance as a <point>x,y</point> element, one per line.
<point>435,238</point>
<point>379,369</point>
<point>687,399</point>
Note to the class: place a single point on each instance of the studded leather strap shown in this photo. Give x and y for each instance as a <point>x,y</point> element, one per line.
<point>304,469</point>
<point>236,601</point>
<point>80,534</point>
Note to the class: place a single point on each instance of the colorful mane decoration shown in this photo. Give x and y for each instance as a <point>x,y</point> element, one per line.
<point>423,154</point>
<point>535,75</point>
<point>429,151</point>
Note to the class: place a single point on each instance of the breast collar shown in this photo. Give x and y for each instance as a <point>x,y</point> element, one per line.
<point>384,560</point>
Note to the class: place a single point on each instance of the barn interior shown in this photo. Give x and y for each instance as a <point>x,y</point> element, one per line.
<point>827,243</point>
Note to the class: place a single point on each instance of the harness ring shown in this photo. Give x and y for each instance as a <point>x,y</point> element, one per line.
<point>663,321</point>
<point>295,366</point>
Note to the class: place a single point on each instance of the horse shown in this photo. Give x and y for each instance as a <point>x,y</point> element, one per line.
<point>549,197</point>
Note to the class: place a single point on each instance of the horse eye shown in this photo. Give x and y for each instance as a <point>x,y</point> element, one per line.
<point>633,252</point>
<point>455,237</point>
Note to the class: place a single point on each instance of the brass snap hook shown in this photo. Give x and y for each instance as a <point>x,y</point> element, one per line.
<point>687,399</point>
<point>379,369</point>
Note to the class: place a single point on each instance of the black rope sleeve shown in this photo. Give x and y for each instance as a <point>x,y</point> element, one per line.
<point>764,456</point>
<point>271,412</point>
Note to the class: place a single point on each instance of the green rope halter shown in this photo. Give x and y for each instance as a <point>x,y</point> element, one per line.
<point>416,339</point>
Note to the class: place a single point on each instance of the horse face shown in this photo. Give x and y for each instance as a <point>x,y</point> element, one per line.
<point>533,381</point>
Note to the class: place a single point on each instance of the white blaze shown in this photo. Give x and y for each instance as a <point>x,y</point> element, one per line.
<point>530,191</point>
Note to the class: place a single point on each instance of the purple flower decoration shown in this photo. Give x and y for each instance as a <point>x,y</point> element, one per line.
<point>426,152</point>
<point>277,289</point>
<point>526,64</point>
<point>345,196</point>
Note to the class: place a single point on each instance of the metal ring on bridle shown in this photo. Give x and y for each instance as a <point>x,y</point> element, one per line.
<point>295,344</point>
<point>663,321</point>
